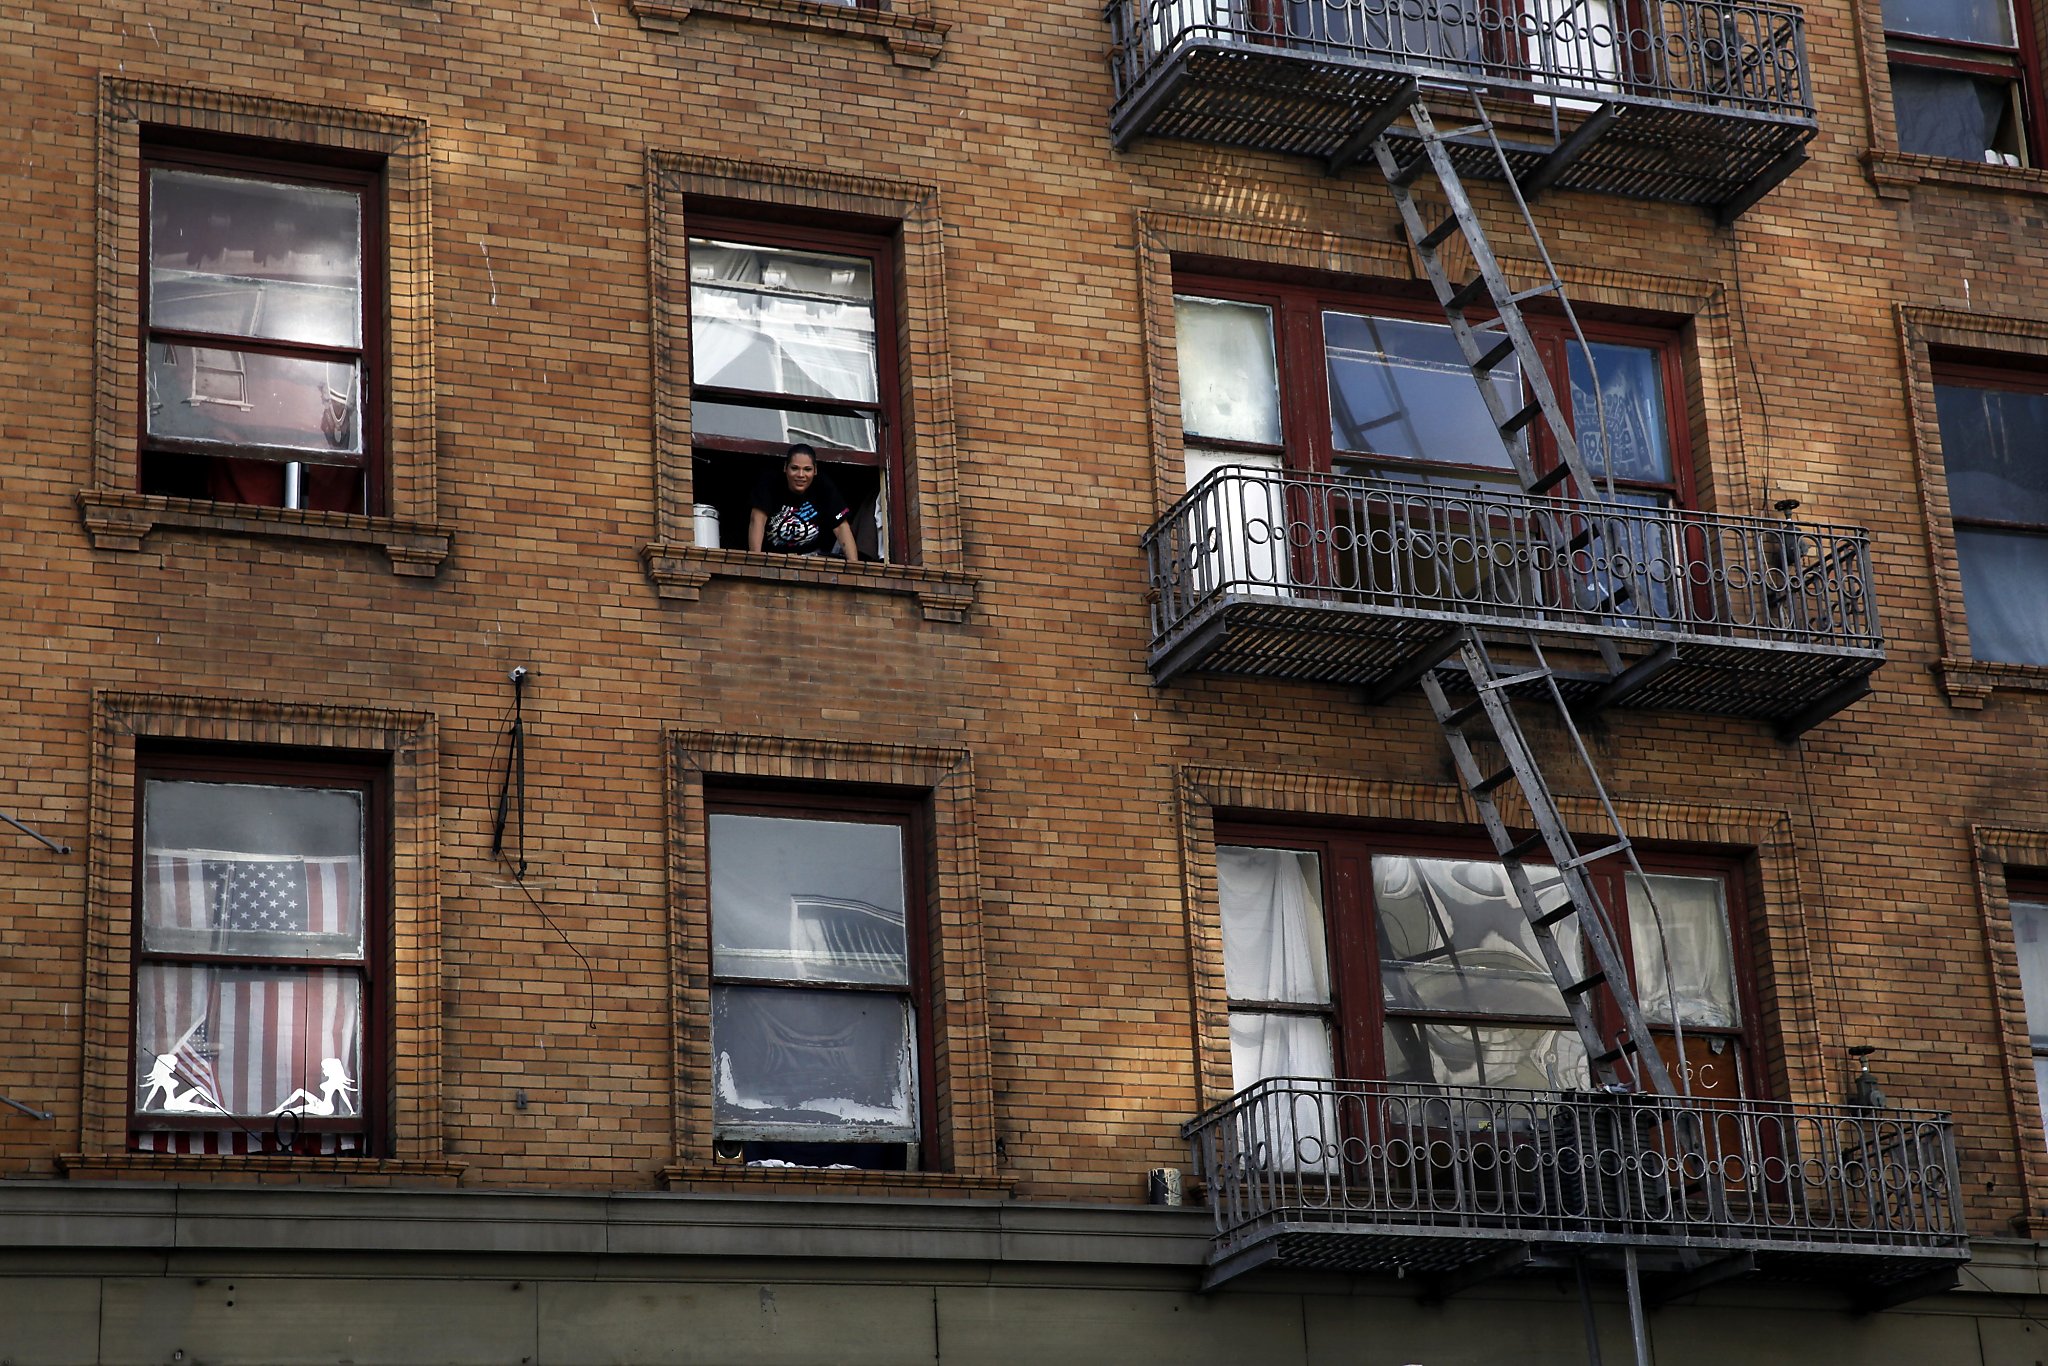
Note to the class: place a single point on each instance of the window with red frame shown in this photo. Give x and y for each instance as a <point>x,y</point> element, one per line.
<point>262,304</point>
<point>1363,955</point>
<point>820,1028</point>
<point>1308,379</point>
<point>261,900</point>
<point>1963,73</point>
<point>1994,444</point>
<point>2029,904</point>
<point>793,339</point>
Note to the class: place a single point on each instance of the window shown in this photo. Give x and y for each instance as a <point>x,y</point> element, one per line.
<point>261,308</point>
<point>1352,956</point>
<point>819,1035</point>
<point>792,339</point>
<point>1994,445</point>
<point>260,909</point>
<point>2030,938</point>
<point>1302,379</point>
<point>1960,74</point>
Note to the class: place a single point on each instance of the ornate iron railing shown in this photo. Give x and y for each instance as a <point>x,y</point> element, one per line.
<point>1723,54</point>
<point>1507,559</point>
<point>1587,1167</point>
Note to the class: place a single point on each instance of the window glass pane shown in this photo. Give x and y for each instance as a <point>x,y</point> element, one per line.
<point>1486,1055</point>
<point>782,426</point>
<point>247,1041</point>
<point>1402,389</point>
<point>1265,1045</point>
<point>1952,113</point>
<point>1994,445</point>
<point>2030,936</point>
<point>1451,938</point>
<point>235,868</point>
<point>2004,577</point>
<point>2041,1085</point>
<point>255,258</point>
<point>807,900</point>
<point>1694,914</point>
<point>1229,380</point>
<point>1632,389</point>
<point>790,1063</point>
<point>1294,1132</point>
<point>778,321</point>
<point>206,393</point>
<point>1972,21</point>
<point>1272,925</point>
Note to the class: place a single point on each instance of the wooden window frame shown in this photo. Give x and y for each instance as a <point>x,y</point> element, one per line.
<point>1305,442</point>
<point>158,459</point>
<point>272,767</point>
<point>1357,1013</point>
<point>910,814</point>
<point>880,244</point>
<point>2016,374</point>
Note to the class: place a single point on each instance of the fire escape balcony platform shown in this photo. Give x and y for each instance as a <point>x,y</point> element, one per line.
<point>1319,578</point>
<point>1448,1185</point>
<point>1697,101</point>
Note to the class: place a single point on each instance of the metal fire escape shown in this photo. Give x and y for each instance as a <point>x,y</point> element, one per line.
<point>1492,752</point>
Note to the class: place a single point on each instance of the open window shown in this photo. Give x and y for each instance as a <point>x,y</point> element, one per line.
<point>820,1027</point>
<point>1962,74</point>
<point>261,887</point>
<point>262,349</point>
<point>793,338</point>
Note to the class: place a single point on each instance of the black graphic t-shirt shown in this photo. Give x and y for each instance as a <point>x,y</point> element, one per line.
<point>799,523</point>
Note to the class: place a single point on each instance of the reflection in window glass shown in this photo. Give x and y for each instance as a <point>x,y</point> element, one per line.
<point>1973,21</point>
<point>2030,938</point>
<point>255,258</point>
<point>1632,392</point>
<point>775,321</point>
<point>799,903</point>
<point>1994,444</point>
<point>1229,379</point>
<point>1478,1054</point>
<point>1403,390</point>
<point>1453,938</point>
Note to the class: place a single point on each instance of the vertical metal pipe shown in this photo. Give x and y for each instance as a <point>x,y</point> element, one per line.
<point>294,484</point>
<point>1586,1312</point>
<point>1636,1326</point>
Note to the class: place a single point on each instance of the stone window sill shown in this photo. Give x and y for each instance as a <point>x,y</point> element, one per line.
<point>913,39</point>
<point>1896,173</point>
<point>1969,683</point>
<point>351,1171</point>
<point>122,521</point>
<point>680,572</point>
<point>733,1178</point>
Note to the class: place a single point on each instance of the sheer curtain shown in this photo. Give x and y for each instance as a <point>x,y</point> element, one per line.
<point>1273,955</point>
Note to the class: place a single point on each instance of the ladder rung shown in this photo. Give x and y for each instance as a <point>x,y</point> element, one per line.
<point>1460,715</point>
<point>1405,174</point>
<point>1585,984</point>
<point>1439,234</point>
<point>1522,848</point>
<point>1587,535</point>
<point>1618,1052</point>
<point>1506,681</point>
<point>1621,597</point>
<point>1466,294</point>
<point>1484,365</point>
<point>1492,781</point>
<point>1620,846</point>
<point>1526,414</point>
<point>1555,914</point>
<point>1549,479</point>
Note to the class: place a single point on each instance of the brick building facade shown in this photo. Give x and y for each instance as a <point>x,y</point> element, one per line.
<point>363,354</point>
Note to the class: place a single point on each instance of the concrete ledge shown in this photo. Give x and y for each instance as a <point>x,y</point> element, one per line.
<point>78,1216</point>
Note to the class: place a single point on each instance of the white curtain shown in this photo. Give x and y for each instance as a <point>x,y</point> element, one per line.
<point>1273,953</point>
<point>1695,939</point>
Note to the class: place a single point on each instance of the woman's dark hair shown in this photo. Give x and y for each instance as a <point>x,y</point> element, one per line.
<point>800,448</point>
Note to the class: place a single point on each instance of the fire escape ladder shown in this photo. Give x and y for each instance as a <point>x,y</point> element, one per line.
<point>1610,1021</point>
<point>1619,1045</point>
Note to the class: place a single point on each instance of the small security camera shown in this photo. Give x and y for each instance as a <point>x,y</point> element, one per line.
<point>517,673</point>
